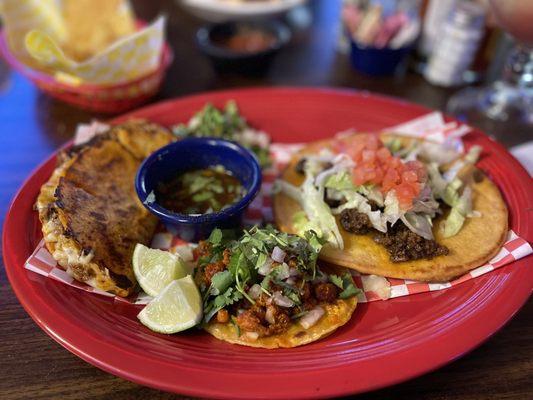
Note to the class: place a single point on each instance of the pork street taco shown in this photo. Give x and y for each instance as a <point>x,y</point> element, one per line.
<point>393,206</point>
<point>266,289</point>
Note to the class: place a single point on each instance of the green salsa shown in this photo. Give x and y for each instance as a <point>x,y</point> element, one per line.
<point>200,191</point>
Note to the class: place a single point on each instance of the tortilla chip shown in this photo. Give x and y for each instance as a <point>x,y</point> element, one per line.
<point>336,315</point>
<point>478,241</point>
<point>93,25</point>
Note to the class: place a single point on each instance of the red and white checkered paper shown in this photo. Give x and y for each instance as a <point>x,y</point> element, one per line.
<point>260,211</point>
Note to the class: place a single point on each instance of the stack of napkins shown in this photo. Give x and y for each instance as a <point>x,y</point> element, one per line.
<point>82,41</point>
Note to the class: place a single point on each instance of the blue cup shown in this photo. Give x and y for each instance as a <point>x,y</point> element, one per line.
<point>193,154</point>
<point>377,62</point>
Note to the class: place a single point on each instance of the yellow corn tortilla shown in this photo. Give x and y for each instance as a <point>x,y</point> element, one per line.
<point>336,315</point>
<point>478,241</point>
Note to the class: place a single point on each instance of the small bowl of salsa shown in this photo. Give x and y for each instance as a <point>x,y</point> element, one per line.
<point>197,184</point>
<point>246,46</point>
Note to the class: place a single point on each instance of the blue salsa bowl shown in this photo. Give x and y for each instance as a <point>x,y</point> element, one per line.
<point>192,154</point>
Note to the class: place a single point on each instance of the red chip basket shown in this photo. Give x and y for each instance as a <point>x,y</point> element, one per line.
<point>107,98</point>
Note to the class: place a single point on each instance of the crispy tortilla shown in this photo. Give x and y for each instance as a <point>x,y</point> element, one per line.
<point>90,213</point>
<point>336,315</point>
<point>478,241</point>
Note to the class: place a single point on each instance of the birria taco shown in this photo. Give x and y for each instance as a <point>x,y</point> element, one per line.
<point>393,206</point>
<point>91,216</point>
<point>266,290</point>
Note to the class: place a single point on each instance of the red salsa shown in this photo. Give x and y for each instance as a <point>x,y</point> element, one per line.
<point>248,40</point>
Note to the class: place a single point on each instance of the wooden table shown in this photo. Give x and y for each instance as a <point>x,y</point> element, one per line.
<point>33,366</point>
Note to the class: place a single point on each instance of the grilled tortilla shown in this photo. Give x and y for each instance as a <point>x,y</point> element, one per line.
<point>478,241</point>
<point>90,214</point>
<point>336,315</point>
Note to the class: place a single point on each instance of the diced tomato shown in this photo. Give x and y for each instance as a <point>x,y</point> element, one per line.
<point>405,193</point>
<point>375,164</point>
<point>383,154</point>
<point>409,176</point>
<point>368,156</point>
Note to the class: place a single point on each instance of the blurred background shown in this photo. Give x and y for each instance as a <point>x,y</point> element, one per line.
<point>470,58</point>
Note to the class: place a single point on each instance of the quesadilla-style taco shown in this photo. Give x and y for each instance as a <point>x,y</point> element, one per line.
<point>393,206</point>
<point>90,213</point>
<point>266,290</point>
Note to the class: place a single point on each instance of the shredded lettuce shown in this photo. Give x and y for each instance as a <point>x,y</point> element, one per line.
<point>311,199</point>
<point>392,212</point>
<point>340,181</point>
<point>469,159</point>
<point>437,153</point>
<point>451,193</point>
<point>453,223</point>
<point>462,209</point>
<point>419,224</point>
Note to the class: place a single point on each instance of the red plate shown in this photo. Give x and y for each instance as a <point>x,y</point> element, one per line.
<point>384,343</point>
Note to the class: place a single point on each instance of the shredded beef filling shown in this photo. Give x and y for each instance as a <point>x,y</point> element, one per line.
<point>405,245</point>
<point>401,243</point>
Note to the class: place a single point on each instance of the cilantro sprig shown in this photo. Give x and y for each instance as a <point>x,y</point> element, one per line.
<point>345,284</point>
<point>248,255</point>
<point>226,123</point>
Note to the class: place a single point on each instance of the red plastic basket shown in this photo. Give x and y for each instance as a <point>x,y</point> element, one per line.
<point>108,98</point>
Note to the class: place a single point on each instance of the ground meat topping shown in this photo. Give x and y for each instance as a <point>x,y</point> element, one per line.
<point>308,300</point>
<point>405,245</point>
<point>325,292</point>
<point>203,249</point>
<point>355,222</point>
<point>255,320</point>
<point>213,268</point>
<point>222,316</point>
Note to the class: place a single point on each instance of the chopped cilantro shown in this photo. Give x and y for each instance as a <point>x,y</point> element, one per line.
<point>220,282</point>
<point>337,281</point>
<point>215,237</point>
<point>248,254</point>
<point>226,123</point>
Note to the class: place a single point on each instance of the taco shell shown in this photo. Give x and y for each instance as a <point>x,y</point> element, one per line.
<point>336,315</point>
<point>478,241</point>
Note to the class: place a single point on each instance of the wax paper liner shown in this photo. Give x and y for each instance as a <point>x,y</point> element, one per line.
<point>35,30</point>
<point>373,288</point>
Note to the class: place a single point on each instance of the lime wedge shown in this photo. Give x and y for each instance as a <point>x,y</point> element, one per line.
<point>155,269</point>
<point>176,308</point>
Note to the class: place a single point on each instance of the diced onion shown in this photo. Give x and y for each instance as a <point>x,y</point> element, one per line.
<point>255,291</point>
<point>377,284</point>
<point>252,335</point>
<point>185,252</point>
<point>312,317</point>
<point>269,315</point>
<point>281,300</point>
<point>290,281</point>
<point>266,267</point>
<point>294,271</point>
<point>278,255</point>
<point>282,271</point>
